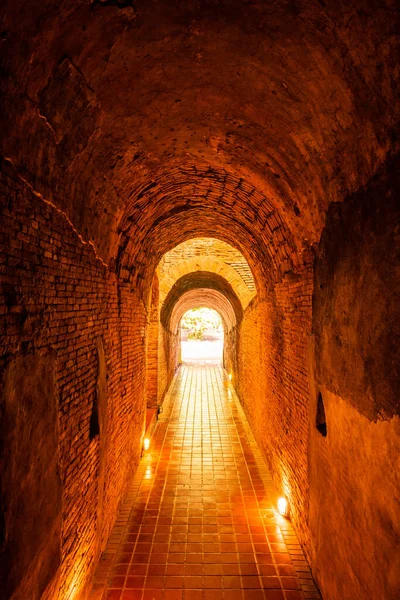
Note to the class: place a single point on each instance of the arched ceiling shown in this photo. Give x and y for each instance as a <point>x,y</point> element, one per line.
<point>207,254</point>
<point>209,264</point>
<point>152,122</point>
<point>193,282</point>
<point>199,298</point>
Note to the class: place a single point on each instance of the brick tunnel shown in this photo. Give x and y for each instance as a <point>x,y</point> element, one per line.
<point>160,156</point>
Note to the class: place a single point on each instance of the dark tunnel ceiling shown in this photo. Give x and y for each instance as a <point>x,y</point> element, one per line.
<point>159,121</point>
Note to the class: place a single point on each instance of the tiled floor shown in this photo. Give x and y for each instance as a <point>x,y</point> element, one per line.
<point>198,523</point>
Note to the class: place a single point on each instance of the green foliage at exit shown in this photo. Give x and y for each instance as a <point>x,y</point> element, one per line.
<point>199,320</point>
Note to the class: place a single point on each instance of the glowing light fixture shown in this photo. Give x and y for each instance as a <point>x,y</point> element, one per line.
<point>146,443</point>
<point>230,376</point>
<point>283,507</point>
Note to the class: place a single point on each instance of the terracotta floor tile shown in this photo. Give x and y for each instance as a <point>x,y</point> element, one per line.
<point>251,581</point>
<point>273,595</point>
<point>155,569</point>
<point>232,581</point>
<point>211,581</point>
<point>175,569</point>
<point>176,558</point>
<point>271,583</point>
<point>194,595</point>
<point>158,558</point>
<point>173,582</point>
<point>113,595</point>
<point>135,582</point>
<point>195,570</point>
<point>253,595</point>
<point>293,595</point>
<point>267,570</point>
<point>120,569</point>
<point>117,581</point>
<point>213,569</point>
<point>173,595</point>
<point>193,582</point>
<point>290,583</point>
<point>200,525</point>
<point>233,594</point>
<point>247,558</point>
<point>132,595</point>
<point>231,569</point>
<point>282,559</point>
<point>155,582</point>
<point>213,595</point>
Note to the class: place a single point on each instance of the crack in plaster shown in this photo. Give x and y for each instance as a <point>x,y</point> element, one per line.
<point>56,208</point>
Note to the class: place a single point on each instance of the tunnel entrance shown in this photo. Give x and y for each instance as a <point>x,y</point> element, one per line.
<point>201,336</point>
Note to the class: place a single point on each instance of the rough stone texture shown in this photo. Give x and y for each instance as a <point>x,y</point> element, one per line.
<point>30,544</point>
<point>356,306</point>
<point>70,134</point>
<point>354,471</point>
<point>354,503</point>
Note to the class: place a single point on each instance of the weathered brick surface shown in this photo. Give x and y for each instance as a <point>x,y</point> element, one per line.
<point>168,359</point>
<point>152,377</point>
<point>272,381</point>
<point>258,231</point>
<point>58,295</point>
<point>207,254</point>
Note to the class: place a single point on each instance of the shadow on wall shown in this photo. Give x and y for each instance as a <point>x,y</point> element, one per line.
<point>30,544</point>
<point>354,464</point>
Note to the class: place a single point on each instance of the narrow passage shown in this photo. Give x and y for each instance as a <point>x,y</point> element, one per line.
<point>198,522</point>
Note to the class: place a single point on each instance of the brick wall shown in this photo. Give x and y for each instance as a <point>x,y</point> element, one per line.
<point>203,247</point>
<point>230,350</point>
<point>168,359</point>
<point>57,294</point>
<point>272,382</point>
<point>152,348</point>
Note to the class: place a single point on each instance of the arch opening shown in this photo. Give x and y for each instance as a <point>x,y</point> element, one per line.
<point>208,254</point>
<point>201,333</point>
<point>197,272</point>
